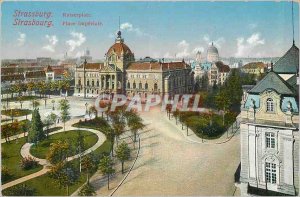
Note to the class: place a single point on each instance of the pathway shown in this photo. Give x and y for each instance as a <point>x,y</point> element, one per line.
<point>25,151</point>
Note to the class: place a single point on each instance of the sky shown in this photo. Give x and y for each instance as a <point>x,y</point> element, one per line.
<point>155,29</point>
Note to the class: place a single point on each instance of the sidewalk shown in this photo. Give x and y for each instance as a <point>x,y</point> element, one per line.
<point>192,137</point>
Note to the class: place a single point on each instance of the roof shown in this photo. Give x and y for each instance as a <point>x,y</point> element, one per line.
<point>293,82</point>
<point>157,66</point>
<point>48,69</point>
<point>289,62</point>
<point>254,65</point>
<point>222,67</point>
<point>212,49</point>
<point>118,48</point>
<point>148,59</point>
<point>92,66</point>
<point>274,82</point>
<point>35,74</point>
<point>14,77</point>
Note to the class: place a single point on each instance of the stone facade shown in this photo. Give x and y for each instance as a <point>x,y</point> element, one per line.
<point>120,73</point>
<point>269,130</point>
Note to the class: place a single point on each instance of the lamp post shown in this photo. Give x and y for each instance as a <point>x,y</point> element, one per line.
<point>86,111</point>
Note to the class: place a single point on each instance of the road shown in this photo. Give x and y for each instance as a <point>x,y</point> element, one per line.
<point>169,164</point>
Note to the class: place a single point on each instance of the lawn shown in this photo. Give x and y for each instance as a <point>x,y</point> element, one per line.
<point>12,159</point>
<point>45,186</point>
<point>16,112</point>
<point>98,123</point>
<point>40,151</point>
<point>23,98</point>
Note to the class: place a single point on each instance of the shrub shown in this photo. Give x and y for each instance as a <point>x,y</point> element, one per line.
<point>19,190</point>
<point>28,163</point>
<point>87,190</point>
<point>5,174</point>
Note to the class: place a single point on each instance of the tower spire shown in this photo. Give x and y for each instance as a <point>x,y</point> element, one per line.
<point>293,22</point>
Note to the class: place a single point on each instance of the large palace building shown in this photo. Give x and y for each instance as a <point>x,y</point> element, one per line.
<point>120,73</point>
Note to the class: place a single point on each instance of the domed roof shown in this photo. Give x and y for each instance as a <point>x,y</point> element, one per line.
<point>118,48</point>
<point>212,49</point>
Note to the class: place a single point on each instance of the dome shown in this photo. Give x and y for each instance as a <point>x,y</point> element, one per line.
<point>212,49</point>
<point>212,53</point>
<point>118,48</point>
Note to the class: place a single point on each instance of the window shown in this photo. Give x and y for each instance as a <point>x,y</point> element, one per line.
<point>134,85</point>
<point>271,173</point>
<point>128,85</point>
<point>270,105</point>
<point>88,83</point>
<point>155,87</point>
<point>146,86</point>
<point>97,83</point>
<point>270,140</point>
<point>140,85</point>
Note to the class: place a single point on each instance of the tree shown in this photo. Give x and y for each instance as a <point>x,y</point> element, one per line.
<point>25,125</point>
<point>53,118</point>
<point>222,101</point>
<point>58,152</point>
<point>48,122</point>
<point>35,104</point>
<point>64,114</point>
<point>106,167</point>
<point>53,102</point>
<point>93,110</point>
<point>64,174</point>
<point>30,87</point>
<point>87,166</point>
<point>123,153</point>
<point>110,134</point>
<point>21,100</point>
<point>36,132</point>
<point>135,123</point>
<point>118,125</point>
<point>87,190</point>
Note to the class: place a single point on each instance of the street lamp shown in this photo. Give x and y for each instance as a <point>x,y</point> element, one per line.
<point>86,105</point>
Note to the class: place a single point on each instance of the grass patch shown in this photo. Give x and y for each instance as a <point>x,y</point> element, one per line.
<point>12,159</point>
<point>42,148</point>
<point>98,123</point>
<point>23,98</point>
<point>53,129</point>
<point>45,186</point>
<point>16,112</point>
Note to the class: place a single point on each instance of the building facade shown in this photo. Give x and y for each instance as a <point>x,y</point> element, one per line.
<point>254,68</point>
<point>120,73</point>
<point>269,127</point>
<point>218,73</point>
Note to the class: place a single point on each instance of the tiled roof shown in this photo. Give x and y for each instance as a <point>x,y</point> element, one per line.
<point>118,48</point>
<point>93,66</point>
<point>157,66</point>
<point>12,77</point>
<point>254,65</point>
<point>289,62</point>
<point>293,82</point>
<point>48,69</point>
<point>274,82</point>
<point>222,67</point>
<point>35,74</point>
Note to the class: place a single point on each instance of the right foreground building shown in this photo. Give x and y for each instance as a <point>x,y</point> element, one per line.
<point>269,127</point>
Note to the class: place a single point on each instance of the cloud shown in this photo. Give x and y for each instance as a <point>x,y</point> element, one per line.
<point>196,49</point>
<point>21,39</point>
<point>218,42</point>
<point>52,42</point>
<point>77,40</point>
<point>245,47</point>
<point>183,47</point>
<point>130,28</point>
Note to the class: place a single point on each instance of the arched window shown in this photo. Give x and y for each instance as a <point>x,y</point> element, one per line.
<point>155,87</point>
<point>270,105</point>
<point>146,86</point>
<point>128,85</point>
<point>140,85</point>
<point>79,82</point>
<point>97,83</point>
<point>88,83</point>
<point>93,83</point>
<point>134,85</point>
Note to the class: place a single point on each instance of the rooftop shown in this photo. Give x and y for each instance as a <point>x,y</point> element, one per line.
<point>289,62</point>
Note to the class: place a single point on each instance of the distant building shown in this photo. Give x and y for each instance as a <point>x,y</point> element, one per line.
<point>218,73</point>
<point>254,68</point>
<point>120,73</point>
<point>269,127</point>
<point>212,54</point>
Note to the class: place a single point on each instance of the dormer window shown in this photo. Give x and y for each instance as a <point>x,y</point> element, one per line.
<point>270,105</point>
